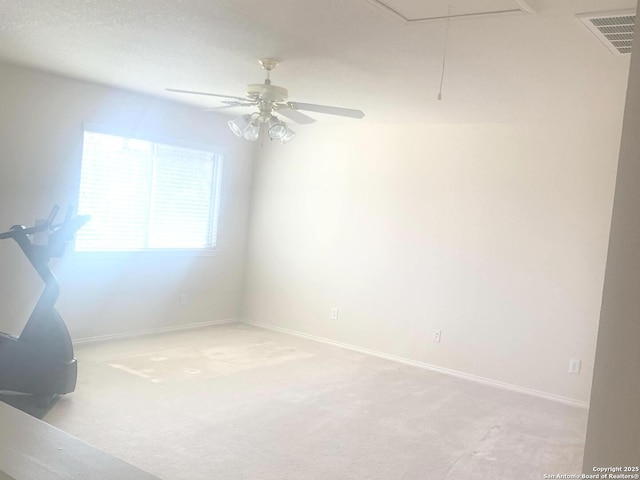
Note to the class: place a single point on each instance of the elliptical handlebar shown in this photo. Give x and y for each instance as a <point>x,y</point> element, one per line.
<point>54,213</point>
<point>59,234</point>
<point>6,235</point>
<point>21,229</point>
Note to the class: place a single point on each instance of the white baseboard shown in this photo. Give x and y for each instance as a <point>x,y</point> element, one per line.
<point>447,371</point>
<point>152,331</point>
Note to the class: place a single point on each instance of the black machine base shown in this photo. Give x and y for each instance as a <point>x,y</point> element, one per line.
<point>39,366</point>
<point>35,405</point>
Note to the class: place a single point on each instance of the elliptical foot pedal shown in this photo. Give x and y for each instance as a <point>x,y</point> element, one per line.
<point>35,405</point>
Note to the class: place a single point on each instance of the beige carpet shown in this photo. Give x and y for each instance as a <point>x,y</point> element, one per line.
<point>238,402</point>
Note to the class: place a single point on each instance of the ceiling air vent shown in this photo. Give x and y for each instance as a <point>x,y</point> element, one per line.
<point>613,29</point>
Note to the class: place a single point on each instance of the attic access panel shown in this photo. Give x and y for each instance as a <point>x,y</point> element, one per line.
<point>410,11</point>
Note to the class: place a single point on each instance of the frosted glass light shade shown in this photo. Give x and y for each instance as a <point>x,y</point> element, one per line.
<point>252,131</point>
<point>238,125</point>
<point>277,129</point>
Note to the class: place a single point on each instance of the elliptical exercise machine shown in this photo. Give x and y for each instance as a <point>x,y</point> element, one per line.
<point>39,365</point>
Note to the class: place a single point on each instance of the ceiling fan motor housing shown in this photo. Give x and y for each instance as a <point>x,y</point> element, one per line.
<point>267,92</point>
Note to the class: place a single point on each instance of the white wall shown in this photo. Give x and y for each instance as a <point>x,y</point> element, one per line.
<point>494,233</point>
<point>613,432</point>
<point>41,122</point>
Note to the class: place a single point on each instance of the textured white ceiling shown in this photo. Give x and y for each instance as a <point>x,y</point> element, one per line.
<point>337,52</point>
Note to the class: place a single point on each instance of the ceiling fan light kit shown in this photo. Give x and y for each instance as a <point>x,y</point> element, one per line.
<point>270,99</point>
<point>250,127</point>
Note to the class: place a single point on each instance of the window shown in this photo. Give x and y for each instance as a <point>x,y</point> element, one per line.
<point>144,196</point>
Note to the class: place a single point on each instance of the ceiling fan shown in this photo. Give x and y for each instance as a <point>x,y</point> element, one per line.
<point>269,100</point>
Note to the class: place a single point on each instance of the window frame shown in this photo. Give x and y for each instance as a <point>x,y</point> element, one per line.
<point>216,193</point>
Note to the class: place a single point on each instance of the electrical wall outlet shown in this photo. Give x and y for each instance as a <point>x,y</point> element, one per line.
<point>436,335</point>
<point>183,299</point>
<point>334,313</point>
<point>574,366</point>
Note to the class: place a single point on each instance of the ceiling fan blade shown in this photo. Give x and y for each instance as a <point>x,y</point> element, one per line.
<point>205,93</point>
<point>343,112</point>
<point>213,109</point>
<point>236,103</point>
<point>295,115</point>
<point>230,104</point>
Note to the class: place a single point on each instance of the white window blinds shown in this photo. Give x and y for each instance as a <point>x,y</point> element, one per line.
<point>143,195</point>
